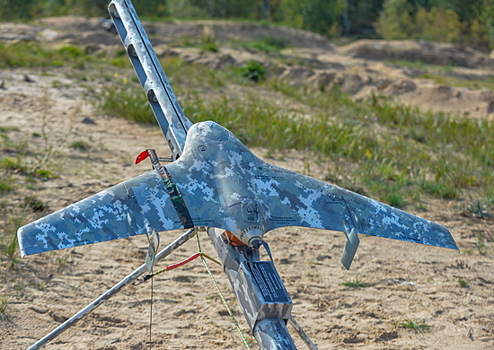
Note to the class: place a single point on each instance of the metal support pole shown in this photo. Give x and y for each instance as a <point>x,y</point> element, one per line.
<point>115,289</point>
<point>300,331</point>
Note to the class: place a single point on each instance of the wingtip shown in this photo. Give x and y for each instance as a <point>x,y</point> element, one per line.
<point>20,241</point>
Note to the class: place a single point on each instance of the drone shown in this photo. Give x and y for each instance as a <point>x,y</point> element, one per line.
<point>214,181</point>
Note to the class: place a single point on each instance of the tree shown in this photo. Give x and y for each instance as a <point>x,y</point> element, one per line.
<point>362,15</point>
<point>487,18</point>
<point>20,10</point>
<point>396,21</point>
<point>438,25</point>
<point>315,15</point>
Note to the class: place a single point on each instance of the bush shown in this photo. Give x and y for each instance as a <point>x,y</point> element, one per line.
<point>254,71</point>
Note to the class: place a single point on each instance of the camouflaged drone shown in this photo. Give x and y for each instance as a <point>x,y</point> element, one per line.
<point>214,181</point>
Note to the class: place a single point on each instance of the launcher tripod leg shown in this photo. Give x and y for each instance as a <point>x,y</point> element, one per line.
<point>114,290</point>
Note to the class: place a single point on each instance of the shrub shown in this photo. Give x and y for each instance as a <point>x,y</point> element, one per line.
<point>254,71</point>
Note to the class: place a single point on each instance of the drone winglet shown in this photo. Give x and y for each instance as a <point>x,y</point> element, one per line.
<point>351,247</point>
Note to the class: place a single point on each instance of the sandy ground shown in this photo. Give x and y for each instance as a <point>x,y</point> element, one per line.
<point>404,281</point>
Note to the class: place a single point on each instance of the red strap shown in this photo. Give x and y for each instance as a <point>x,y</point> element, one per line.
<point>174,266</point>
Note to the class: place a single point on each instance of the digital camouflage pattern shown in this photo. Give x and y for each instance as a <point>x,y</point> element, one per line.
<point>216,182</point>
<point>272,334</point>
<point>272,307</point>
<point>225,185</point>
<point>112,291</point>
<point>134,207</point>
<point>222,184</point>
<point>261,292</point>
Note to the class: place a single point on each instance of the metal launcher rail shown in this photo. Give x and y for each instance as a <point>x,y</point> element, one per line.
<point>267,310</point>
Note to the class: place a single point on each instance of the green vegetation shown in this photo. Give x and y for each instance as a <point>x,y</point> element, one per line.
<point>417,327</point>
<point>4,302</point>
<point>9,242</point>
<point>355,284</point>
<point>469,23</point>
<point>31,54</point>
<point>254,71</point>
<point>444,75</point>
<point>211,46</point>
<point>462,282</point>
<point>125,102</point>
<point>481,209</point>
<point>267,44</point>
<point>398,154</point>
<point>6,184</point>
<point>80,145</point>
<point>474,84</point>
<point>29,9</point>
<point>26,158</point>
<point>465,22</point>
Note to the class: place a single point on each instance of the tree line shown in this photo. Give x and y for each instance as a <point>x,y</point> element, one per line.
<point>457,21</point>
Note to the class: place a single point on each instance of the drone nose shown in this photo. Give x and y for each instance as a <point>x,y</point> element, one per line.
<point>213,131</point>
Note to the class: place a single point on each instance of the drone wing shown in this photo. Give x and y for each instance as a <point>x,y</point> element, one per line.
<point>133,207</point>
<point>298,200</point>
<point>216,192</point>
<point>218,182</point>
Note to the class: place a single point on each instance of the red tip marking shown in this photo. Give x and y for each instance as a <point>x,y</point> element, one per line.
<point>143,155</point>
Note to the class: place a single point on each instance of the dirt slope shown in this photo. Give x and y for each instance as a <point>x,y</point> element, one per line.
<point>360,68</point>
<point>404,282</point>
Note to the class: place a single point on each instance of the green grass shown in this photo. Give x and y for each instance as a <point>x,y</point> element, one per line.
<point>4,302</point>
<point>9,240</point>
<point>355,284</point>
<point>6,184</point>
<point>267,44</point>
<point>479,209</point>
<point>422,66</point>
<point>14,164</point>
<point>254,71</point>
<point>442,75</point>
<point>210,46</point>
<point>31,54</point>
<point>474,84</point>
<point>24,159</point>
<point>462,282</point>
<point>125,102</point>
<point>417,327</point>
<point>79,145</point>
<point>398,153</point>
